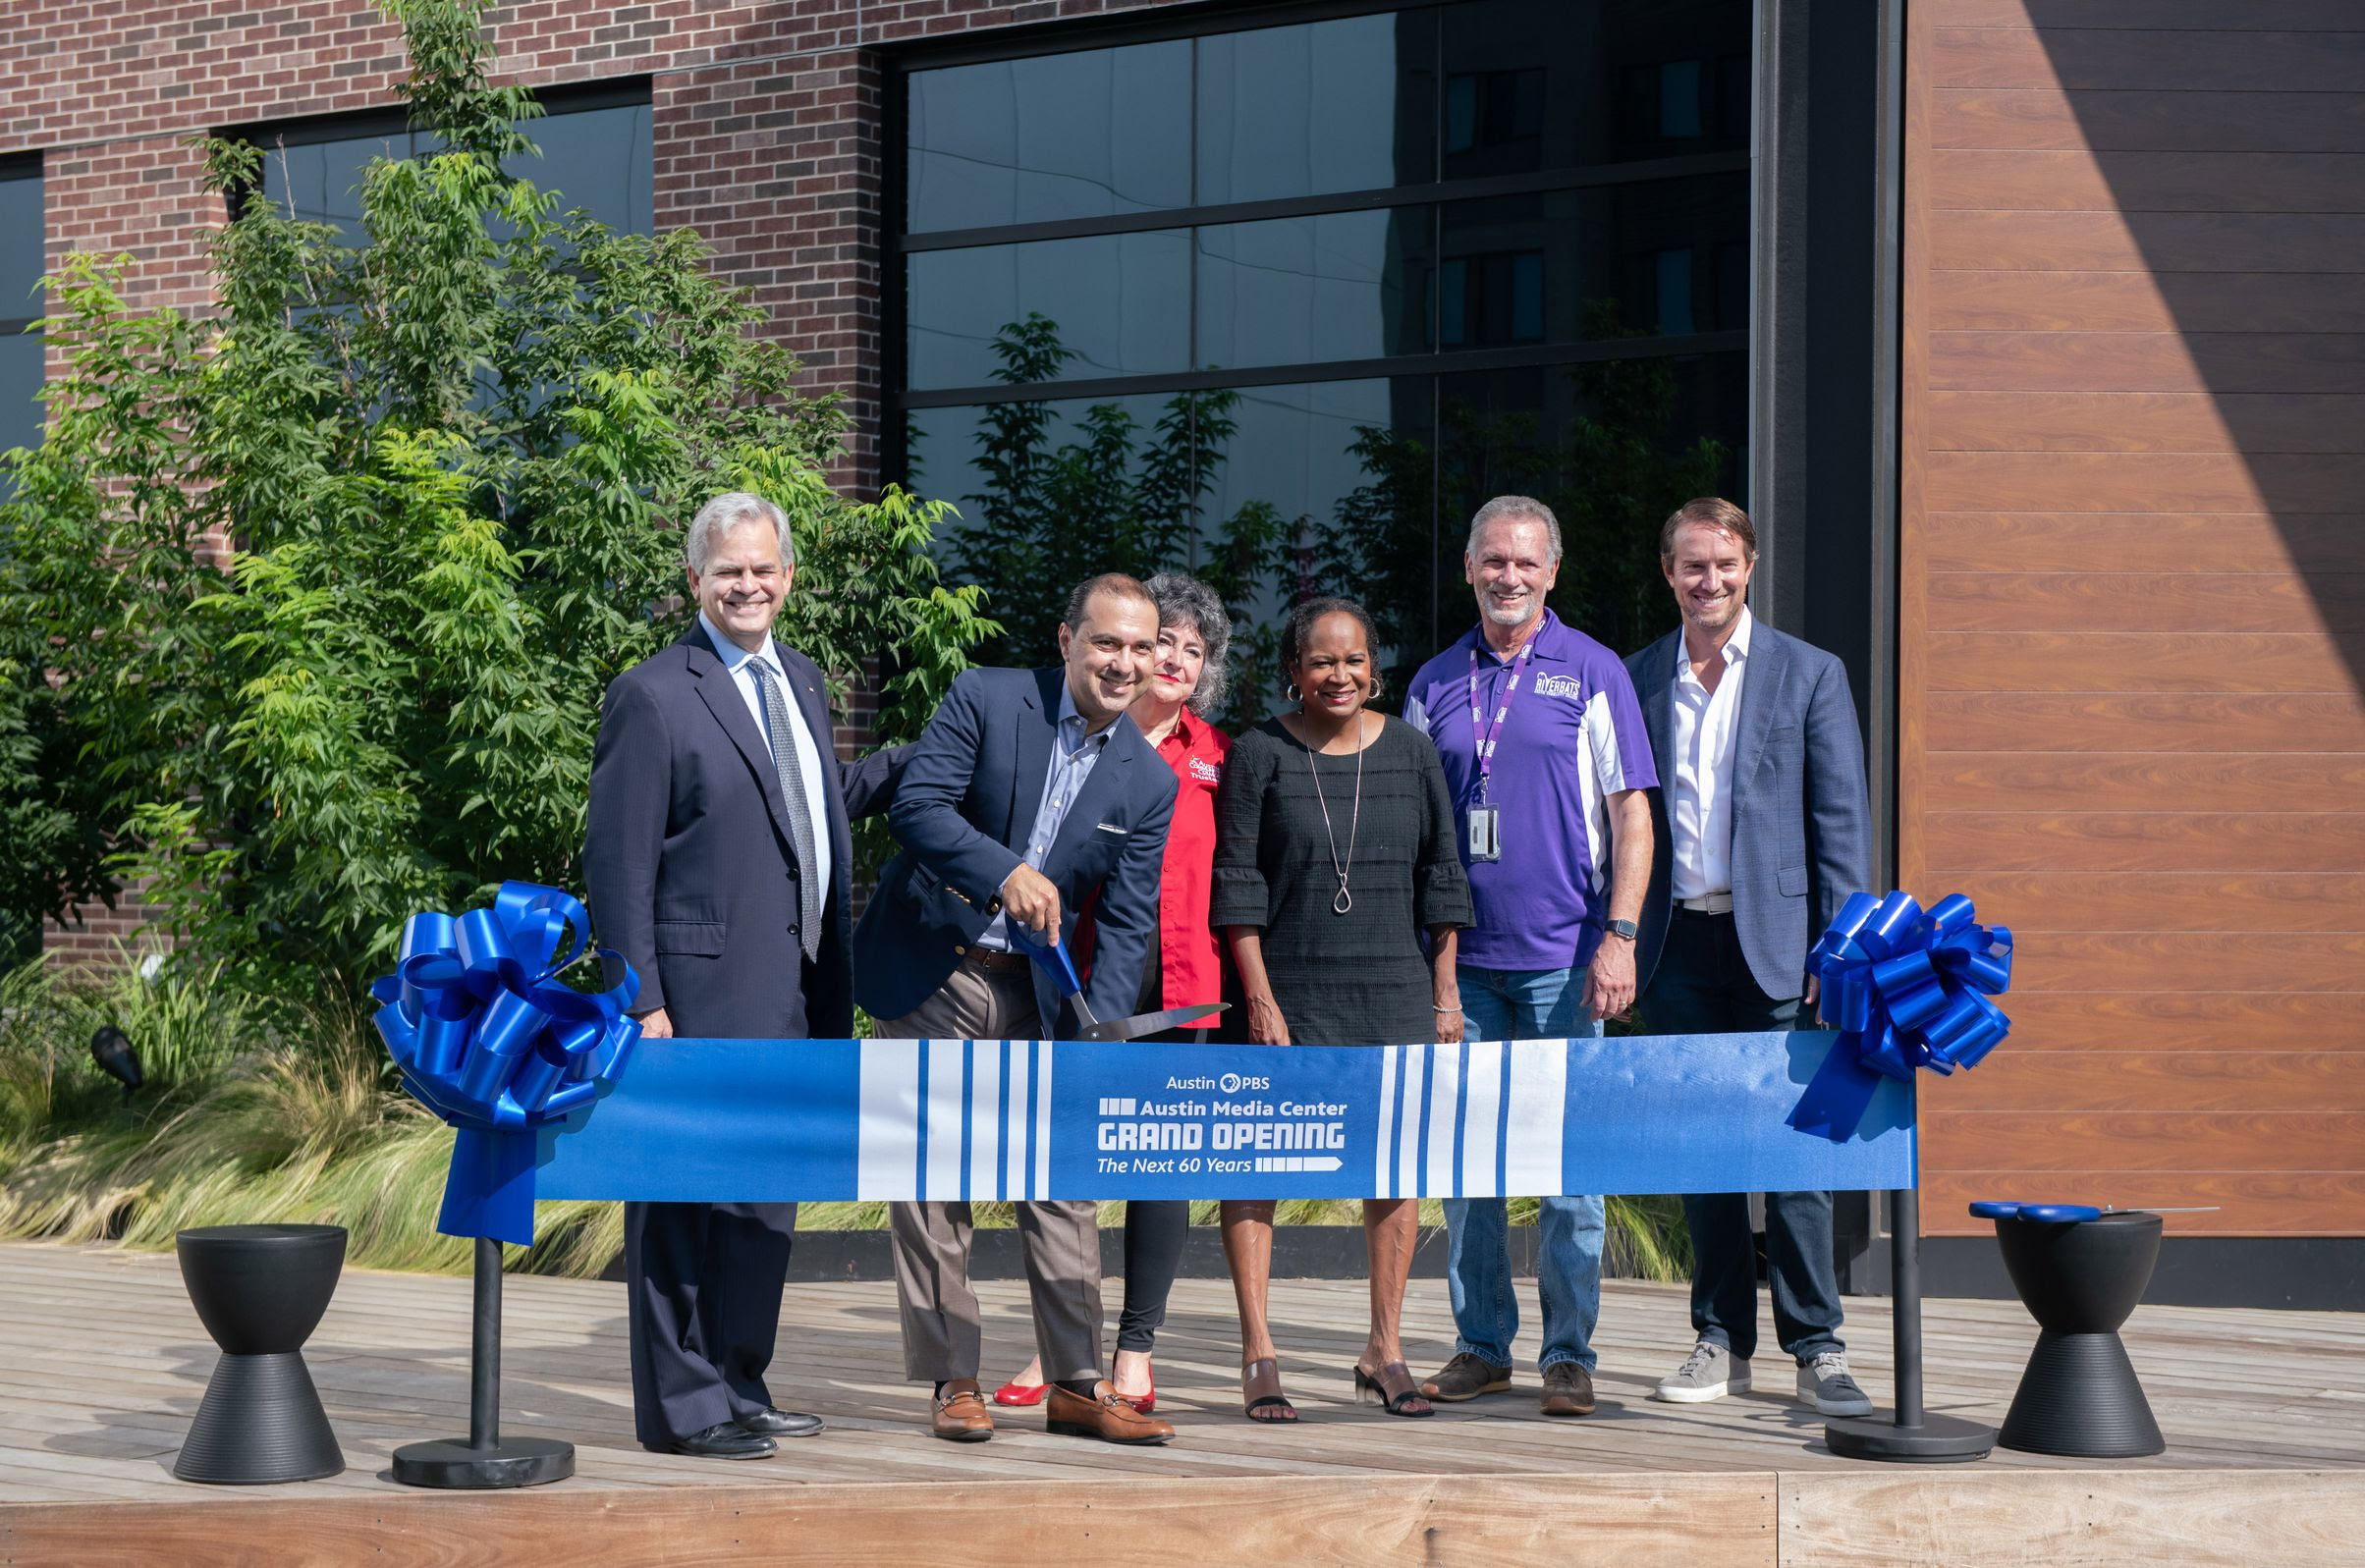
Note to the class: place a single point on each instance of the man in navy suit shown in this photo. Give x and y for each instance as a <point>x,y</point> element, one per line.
<point>716,856</point>
<point>1763,831</point>
<point>1030,792</point>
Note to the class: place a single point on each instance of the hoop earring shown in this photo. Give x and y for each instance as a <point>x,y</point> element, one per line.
<point>1290,693</point>
<point>1378,687</point>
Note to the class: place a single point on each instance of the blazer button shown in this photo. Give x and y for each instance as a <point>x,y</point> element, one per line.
<point>793,929</point>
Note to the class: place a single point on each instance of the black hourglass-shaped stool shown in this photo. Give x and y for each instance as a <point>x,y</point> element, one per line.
<point>2080,1279</point>
<point>260,1291</point>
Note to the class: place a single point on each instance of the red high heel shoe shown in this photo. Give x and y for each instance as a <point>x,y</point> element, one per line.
<point>1144,1403</point>
<point>1022,1393</point>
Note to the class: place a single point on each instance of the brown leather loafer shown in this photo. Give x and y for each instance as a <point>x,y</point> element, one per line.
<point>1466,1376</point>
<point>1568,1389</point>
<point>1106,1416</point>
<point>960,1415</point>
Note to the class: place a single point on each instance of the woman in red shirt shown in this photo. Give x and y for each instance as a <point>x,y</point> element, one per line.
<point>1194,633</point>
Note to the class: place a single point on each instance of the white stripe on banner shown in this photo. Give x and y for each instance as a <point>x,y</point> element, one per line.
<point>1445,1115</point>
<point>1383,1145</point>
<point>1479,1115</point>
<point>1407,1135</point>
<point>887,1143</point>
<point>985,1116</point>
<point>1041,1186</point>
<point>1018,1118</point>
<point>940,1181</point>
<point>1539,1093</point>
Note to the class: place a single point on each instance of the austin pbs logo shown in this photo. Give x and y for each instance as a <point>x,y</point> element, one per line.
<point>1232,1083</point>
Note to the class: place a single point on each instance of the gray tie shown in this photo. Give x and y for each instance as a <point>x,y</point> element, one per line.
<point>801,811</point>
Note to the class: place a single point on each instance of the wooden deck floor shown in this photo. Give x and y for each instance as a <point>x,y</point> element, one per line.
<point>2264,1411</point>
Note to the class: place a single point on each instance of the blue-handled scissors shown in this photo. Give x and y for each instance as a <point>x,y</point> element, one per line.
<point>1053,956</point>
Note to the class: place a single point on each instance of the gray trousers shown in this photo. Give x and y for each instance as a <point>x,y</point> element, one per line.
<point>1061,1240</point>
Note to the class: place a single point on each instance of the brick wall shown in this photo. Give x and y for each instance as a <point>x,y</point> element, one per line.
<point>766,129</point>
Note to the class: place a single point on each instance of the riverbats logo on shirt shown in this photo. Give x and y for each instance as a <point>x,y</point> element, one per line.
<point>1568,688</point>
<point>1207,773</point>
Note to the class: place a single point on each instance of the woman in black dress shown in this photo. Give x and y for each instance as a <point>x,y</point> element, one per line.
<point>1334,853</point>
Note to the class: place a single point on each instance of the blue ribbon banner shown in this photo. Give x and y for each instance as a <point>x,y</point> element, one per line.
<point>1906,988</point>
<point>490,1039</point>
<point>775,1120</point>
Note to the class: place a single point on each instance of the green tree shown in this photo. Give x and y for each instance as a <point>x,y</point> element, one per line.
<point>1117,497</point>
<point>309,603</point>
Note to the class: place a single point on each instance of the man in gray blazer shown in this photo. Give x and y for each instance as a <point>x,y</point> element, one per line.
<point>717,858</point>
<point>1763,829</point>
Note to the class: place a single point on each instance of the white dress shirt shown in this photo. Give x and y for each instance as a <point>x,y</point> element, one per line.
<point>1699,797</point>
<point>742,665</point>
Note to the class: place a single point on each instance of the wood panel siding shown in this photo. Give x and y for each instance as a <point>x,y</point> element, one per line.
<point>2132,592</point>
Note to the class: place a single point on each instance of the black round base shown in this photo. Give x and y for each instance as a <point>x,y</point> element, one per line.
<point>452,1465</point>
<point>1938,1441</point>
<point>260,1422</point>
<point>2079,1398</point>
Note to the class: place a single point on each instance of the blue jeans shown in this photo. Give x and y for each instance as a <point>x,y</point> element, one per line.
<point>1524,1004</point>
<point>1703,986</point>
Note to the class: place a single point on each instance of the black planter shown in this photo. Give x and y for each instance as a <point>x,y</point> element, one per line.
<point>261,1290</point>
<point>2080,1280</point>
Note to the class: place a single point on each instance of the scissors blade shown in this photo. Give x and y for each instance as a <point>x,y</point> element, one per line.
<point>1150,1023</point>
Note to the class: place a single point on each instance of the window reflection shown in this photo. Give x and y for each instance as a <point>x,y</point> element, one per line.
<point>598,160</point>
<point>21,264</point>
<point>1345,105</point>
<point>1340,286</point>
<point>1533,84</point>
<point>1666,256</point>
<point>1066,135</point>
<point>1359,486</point>
<point>1120,303</point>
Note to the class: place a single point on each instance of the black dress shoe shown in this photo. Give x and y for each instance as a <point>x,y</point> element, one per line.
<point>725,1439</point>
<point>781,1423</point>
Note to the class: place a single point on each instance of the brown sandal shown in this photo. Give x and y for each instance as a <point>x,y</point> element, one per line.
<point>1260,1390</point>
<point>1392,1389</point>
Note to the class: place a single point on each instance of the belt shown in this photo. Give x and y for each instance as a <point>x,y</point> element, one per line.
<point>1707,903</point>
<point>994,962</point>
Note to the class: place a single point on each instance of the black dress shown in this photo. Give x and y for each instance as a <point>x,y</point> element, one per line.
<point>1361,978</point>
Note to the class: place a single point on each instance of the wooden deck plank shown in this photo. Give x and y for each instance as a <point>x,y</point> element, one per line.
<point>89,1421</point>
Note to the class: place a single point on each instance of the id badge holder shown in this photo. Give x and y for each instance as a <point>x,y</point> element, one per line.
<point>1486,832</point>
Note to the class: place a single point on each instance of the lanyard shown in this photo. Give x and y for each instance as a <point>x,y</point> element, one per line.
<point>1483,736</point>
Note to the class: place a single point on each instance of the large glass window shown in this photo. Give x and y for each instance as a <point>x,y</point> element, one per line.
<point>595,152</point>
<point>22,263</point>
<point>1283,305</point>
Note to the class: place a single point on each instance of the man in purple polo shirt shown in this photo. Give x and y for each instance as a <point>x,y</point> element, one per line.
<point>1550,765</point>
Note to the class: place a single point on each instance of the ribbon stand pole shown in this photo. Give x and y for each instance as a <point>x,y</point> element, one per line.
<point>1914,1437</point>
<point>484,1463</point>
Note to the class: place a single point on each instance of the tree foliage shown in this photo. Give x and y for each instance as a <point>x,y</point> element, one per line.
<point>309,603</point>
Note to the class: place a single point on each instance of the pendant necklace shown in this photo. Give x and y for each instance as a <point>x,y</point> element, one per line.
<point>1355,822</point>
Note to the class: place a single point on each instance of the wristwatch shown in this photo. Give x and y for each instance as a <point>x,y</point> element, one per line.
<point>1625,927</point>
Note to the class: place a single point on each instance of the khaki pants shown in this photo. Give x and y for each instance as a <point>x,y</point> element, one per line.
<point>1061,1240</point>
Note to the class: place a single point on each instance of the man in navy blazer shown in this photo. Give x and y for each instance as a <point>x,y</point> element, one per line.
<point>1763,829</point>
<point>1030,793</point>
<point>716,856</point>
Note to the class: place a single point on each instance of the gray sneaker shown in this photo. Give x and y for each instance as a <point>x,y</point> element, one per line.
<point>1825,1383</point>
<point>1710,1372</point>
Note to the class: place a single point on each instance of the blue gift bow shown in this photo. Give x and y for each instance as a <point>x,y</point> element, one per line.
<point>1905,990</point>
<point>489,1038</point>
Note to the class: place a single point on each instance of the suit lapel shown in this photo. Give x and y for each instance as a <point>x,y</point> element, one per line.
<point>1039,720</point>
<point>1765,670</point>
<point>1658,696</point>
<point>720,691</point>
